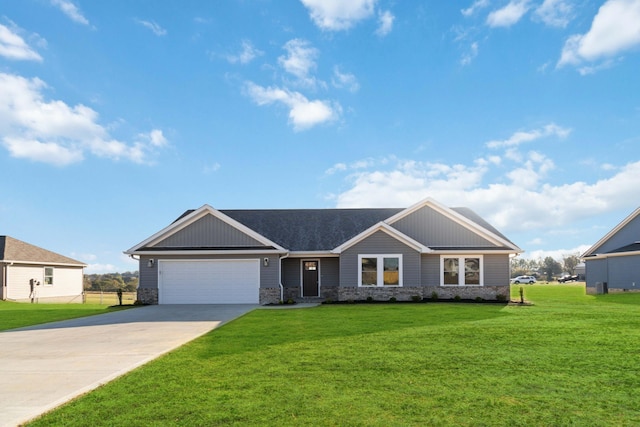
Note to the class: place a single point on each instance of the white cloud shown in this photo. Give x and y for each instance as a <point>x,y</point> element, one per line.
<point>247,54</point>
<point>13,47</point>
<point>555,13</point>
<point>614,30</point>
<point>71,10</point>
<point>385,23</point>
<point>153,26</point>
<point>344,80</point>
<point>303,113</point>
<point>517,203</point>
<point>338,167</point>
<point>336,15</point>
<point>53,132</point>
<point>509,14</point>
<point>468,57</point>
<point>521,137</point>
<point>477,5</point>
<point>300,61</point>
<point>557,254</point>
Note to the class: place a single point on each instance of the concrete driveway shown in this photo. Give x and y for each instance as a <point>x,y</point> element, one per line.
<point>43,366</point>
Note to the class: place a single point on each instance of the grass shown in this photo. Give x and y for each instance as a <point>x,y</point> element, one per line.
<point>568,359</point>
<point>109,298</point>
<point>16,315</point>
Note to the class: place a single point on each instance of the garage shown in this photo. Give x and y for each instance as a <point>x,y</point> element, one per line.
<point>209,281</point>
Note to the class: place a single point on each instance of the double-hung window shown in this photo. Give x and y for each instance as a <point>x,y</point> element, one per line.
<point>461,270</point>
<point>380,270</point>
<point>48,276</point>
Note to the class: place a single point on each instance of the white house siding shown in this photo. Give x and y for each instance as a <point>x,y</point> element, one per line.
<point>67,284</point>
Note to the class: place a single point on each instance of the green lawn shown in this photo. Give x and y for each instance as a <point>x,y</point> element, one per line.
<point>568,359</point>
<point>17,315</point>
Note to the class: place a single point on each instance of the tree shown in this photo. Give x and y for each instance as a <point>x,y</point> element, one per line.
<point>523,267</point>
<point>569,263</point>
<point>550,267</point>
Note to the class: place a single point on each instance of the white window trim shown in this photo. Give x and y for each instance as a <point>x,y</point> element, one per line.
<point>461,259</point>
<point>380,271</point>
<point>44,276</point>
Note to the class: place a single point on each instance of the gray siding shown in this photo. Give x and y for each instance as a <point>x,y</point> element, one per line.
<point>624,272</point>
<point>625,236</point>
<point>208,231</point>
<point>620,272</point>
<point>380,243</point>
<point>291,272</point>
<point>496,270</point>
<point>596,271</point>
<point>430,270</point>
<point>330,271</point>
<point>434,229</point>
<point>268,274</point>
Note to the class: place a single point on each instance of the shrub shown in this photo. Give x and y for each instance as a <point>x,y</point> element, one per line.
<point>457,297</point>
<point>369,299</point>
<point>328,301</point>
<point>350,301</point>
<point>290,301</point>
<point>392,299</point>
<point>416,298</point>
<point>479,299</point>
<point>501,297</point>
<point>434,295</point>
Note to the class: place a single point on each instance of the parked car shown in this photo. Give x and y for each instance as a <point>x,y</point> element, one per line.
<point>567,278</point>
<point>524,279</point>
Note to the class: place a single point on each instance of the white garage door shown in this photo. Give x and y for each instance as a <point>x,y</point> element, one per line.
<point>209,282</point>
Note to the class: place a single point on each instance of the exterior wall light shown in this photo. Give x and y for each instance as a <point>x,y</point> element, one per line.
<point>265,262</point>
<point>150,263</point>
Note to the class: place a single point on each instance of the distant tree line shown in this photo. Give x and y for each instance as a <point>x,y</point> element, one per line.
<point>111,282</point>
<point>544,269</point>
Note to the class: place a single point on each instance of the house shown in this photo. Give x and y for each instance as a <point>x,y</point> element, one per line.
<point>30,273</point>
<point>266,256</point>
<point>612,263</point>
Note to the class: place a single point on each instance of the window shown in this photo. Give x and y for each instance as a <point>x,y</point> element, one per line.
<point>48,275</point>
<point>461,270</point>
<point>380,270</point>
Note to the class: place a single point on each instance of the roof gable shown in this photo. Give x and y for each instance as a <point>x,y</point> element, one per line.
<point>190,232</point>
<point>386,228</point>
<point>14,250</point>
<point>626,233</point>
<point>437,226</point>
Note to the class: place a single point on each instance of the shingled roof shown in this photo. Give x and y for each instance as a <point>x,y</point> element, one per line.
<point>14,250</point>
<point>322,229</point>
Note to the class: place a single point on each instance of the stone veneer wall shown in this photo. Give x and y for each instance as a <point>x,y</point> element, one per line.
<point>406,293</point>
<point>148,296</point>
<point>326,293</point>
<point>269,296</point>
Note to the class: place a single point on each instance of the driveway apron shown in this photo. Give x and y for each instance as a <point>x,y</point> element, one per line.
<point>44,366</point>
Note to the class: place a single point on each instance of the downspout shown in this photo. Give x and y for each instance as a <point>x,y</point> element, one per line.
<point>280,275</point>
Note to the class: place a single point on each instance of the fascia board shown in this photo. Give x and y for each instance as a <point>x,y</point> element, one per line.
<point>382,226</point>
<point>193,217</point>
<point>43,264</point>
<point>312,254</point>
<point>611,255</point>
<point>463,251</point>
<point>611,233</point>
<point>209,252</point>
<point>456,217</point>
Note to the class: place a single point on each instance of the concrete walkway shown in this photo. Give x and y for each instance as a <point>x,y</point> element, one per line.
<point>44,366</point>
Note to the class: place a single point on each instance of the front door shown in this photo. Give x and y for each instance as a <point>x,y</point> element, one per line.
<point>310,284</point>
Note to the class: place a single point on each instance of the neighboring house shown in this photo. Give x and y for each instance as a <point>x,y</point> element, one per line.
<point>30,273</point>
<point>612,264</point>
<point>266,256</point>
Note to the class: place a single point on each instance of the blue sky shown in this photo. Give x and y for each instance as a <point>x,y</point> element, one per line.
<point>115,117</point>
